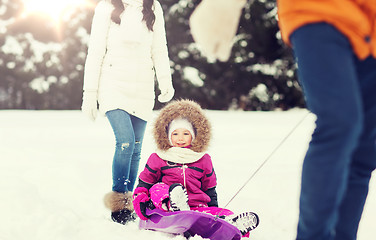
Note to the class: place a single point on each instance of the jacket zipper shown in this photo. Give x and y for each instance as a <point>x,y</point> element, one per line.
<point>184,182</point>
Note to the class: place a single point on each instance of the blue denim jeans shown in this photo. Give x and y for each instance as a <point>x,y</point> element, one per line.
<point>129,133</point>
<point>340,90</point>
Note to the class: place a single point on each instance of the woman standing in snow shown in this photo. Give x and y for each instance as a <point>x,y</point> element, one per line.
<point>127,49</point>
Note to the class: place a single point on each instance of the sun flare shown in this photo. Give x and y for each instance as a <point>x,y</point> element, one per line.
<point>55,9</point>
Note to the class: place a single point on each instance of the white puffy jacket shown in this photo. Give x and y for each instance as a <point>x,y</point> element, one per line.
<point>124,59</point>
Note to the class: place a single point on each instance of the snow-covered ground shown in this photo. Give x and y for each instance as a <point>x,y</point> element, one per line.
<point>55,168</point>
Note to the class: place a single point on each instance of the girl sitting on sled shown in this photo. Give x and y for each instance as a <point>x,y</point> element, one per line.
<point>180,175</point>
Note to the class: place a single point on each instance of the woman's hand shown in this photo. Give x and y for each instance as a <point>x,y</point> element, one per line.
<point>89,104</point>
<point>167,93</point>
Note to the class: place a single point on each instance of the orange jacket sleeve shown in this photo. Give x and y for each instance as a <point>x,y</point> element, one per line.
<point>356,19</point>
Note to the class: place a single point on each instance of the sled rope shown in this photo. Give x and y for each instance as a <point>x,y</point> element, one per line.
<point>265,161</point>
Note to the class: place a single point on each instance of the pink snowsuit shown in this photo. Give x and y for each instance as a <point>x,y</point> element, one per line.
<point>196,177</point>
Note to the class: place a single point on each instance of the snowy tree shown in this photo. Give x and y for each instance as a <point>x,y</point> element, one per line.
<point>41,64</point>
<point>42,61</point>
<point>259,58</point>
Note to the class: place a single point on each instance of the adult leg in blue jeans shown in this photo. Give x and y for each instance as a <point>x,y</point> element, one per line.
<point>129,133</point>
<point>335,85</point>
<point>364,159</point>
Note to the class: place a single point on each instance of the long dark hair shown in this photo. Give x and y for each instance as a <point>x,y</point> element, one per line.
<point>147,11</point>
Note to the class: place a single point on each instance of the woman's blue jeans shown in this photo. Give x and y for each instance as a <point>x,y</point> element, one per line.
<point>129,133</point>
<point>340,90</point>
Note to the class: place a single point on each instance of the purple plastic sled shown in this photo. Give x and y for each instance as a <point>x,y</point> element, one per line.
<point>191,222</point>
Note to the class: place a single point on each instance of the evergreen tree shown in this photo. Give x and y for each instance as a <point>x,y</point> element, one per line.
<point>260,74</point>
<point>52,80</point>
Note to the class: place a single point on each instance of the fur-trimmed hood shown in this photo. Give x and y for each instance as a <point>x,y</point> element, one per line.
<point>184,109</point>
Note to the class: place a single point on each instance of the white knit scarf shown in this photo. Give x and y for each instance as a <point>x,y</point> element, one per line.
<point>180,155</point>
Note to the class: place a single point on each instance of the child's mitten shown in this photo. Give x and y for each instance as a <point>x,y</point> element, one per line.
<point>140,201</point>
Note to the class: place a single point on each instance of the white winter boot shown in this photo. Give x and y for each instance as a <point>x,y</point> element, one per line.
<point>178,198</point>
<point>245,222</point>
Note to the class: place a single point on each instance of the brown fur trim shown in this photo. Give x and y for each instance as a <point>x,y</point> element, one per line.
<point>186,109</point>
<point>116,201</point>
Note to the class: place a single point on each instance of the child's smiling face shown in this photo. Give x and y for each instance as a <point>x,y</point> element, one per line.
<point>181,137</point>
